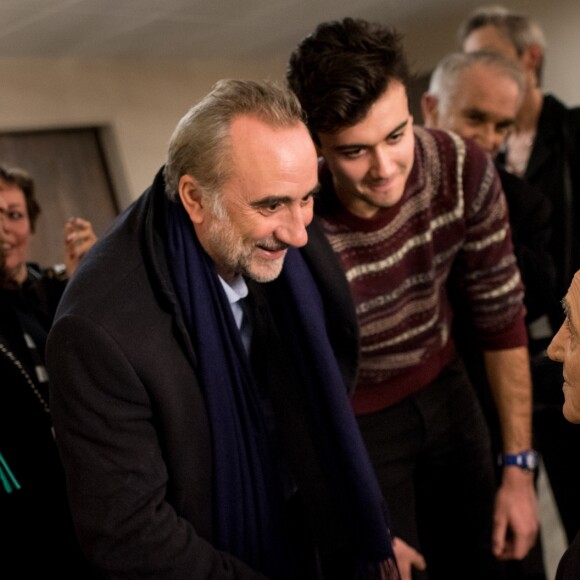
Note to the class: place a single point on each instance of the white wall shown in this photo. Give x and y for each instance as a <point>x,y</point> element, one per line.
<point>429,38</point>
<point>142,102</point>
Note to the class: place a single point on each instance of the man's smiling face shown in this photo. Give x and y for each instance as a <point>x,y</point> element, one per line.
<point>371,161</point>
<point>266,203</point>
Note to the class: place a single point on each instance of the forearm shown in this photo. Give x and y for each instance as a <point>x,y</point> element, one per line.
<point>515,522</point>
<point>509,377</point>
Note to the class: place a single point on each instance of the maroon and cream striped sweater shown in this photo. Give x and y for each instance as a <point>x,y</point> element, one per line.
<point>452,216</point>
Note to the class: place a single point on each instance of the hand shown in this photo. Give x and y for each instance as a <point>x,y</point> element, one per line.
<point>79,239</point>
<point>407,559</point>
<point>515,521</point>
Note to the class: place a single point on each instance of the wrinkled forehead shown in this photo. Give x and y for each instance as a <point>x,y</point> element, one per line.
<point>571,301</point>
<point>491,39</point>
<point>488,84</point>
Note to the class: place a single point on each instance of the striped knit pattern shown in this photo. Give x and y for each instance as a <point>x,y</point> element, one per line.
<point>451,223</point>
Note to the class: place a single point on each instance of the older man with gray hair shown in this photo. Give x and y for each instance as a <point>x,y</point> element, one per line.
<point>203,421</point>
<point>463,97</point>
<point>544,146</point>
<point>564,349</point>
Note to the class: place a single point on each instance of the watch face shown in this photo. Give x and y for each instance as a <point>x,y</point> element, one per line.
<point>531,458</point>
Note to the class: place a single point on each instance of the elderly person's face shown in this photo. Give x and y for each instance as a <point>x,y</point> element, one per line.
<point>483,107</point>
<point>267,201</point>
<point>565,348</point>
<point>16,230</point>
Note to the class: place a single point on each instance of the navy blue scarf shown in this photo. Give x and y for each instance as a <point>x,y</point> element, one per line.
<point>247,497</point>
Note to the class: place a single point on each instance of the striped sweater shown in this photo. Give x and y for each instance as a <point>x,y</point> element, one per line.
<point>450,227</point>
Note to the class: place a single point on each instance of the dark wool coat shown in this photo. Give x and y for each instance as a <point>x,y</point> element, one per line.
<point>129,413</point>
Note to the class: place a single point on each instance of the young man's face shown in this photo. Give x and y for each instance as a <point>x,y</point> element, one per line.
<point>371,161</point>
<point>565,348</point>
<point>483,107</point>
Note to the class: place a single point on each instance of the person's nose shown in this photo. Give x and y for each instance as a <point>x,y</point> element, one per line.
<point>381,162</point>
<point>557,346</point>
<point>292,230</point>
<point>490,139</point>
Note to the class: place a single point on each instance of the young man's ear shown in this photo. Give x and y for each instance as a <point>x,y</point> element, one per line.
<point>191,197</point>
<point>430,110</point>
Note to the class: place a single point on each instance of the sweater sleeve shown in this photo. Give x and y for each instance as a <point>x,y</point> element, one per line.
<point>489,275</point>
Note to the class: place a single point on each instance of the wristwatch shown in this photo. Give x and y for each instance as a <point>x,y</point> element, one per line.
<point>526,460</point>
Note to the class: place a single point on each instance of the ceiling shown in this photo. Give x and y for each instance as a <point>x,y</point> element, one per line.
<point>167,29</point>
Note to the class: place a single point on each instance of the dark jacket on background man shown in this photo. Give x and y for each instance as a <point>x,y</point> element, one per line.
<point>554,168</point>
<point>530,220</point>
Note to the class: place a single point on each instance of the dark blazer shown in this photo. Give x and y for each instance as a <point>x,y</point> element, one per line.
<point>530,215</point>
<point>556,149</point>
<point>139,469</point>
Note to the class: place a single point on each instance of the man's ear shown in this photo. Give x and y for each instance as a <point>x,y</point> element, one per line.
<point>532,58</point>
<point>191,197</point>
<point>430,109</point>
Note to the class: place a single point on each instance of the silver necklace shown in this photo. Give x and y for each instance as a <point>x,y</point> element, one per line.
<point>26,376</point>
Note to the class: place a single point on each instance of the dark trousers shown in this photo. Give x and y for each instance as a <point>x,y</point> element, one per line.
<point>431,453</point>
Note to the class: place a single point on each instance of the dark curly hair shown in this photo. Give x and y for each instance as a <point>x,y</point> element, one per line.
<point>21,179</point>
<point>342,68</point>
